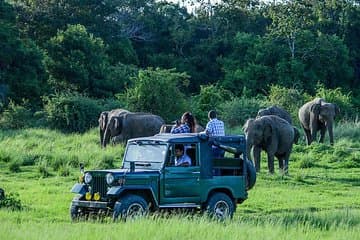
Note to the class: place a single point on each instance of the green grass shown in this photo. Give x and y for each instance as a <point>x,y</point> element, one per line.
<point>319,199</point>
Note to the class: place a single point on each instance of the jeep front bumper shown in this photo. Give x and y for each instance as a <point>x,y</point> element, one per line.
<point>90,204</point>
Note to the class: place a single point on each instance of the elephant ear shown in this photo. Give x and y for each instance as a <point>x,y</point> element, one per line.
<point>315,108</point>
<point>103,121</point>
<point>337,109</point>
<point>118,123</point>
<point>247,124</point>
<point>268,131</point>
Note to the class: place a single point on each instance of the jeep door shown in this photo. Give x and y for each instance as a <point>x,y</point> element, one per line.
<point>181,184</point>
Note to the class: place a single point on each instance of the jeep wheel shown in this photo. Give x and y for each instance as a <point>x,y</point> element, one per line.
<point>74,212</point>
<point>130,206</point>
<point>220,206</point>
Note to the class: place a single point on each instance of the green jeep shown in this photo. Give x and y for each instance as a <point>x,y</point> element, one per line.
<point>149,180</point>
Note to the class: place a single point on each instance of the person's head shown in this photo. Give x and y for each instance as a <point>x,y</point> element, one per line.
<point>189,119</point>
<point>179,150</point>
<point>212,114</point>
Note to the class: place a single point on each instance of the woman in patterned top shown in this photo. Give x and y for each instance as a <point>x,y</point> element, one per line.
<point>187,124</point>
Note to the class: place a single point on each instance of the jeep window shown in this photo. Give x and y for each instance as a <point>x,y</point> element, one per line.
<point>149,156</point>
<point>190,150</point>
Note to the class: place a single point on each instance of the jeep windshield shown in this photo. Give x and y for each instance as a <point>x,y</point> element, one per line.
<point>145,154</point>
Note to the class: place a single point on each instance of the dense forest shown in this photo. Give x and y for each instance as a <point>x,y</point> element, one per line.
<point>62,62</point>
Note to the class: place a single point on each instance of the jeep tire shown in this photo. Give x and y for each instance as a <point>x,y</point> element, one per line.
<point>75,211</point>
<point>130,206</point>
<point>220,206</point>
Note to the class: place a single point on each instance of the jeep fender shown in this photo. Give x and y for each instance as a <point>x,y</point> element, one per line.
<point>116,191</point>
<point>79,188</point>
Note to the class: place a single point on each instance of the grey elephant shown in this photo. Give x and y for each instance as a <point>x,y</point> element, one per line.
<point>166,128</point>
<point>272,134</point>
<point>318,115</point>
<point>277,111</point>
<point>104,118</point>
<point>282,113</point>
<point>131,125</point>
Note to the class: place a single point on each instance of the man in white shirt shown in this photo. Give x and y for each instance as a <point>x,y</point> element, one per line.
<point>215,127</point>
<point>181,158</point>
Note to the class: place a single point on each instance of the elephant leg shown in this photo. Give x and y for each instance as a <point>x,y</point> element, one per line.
<point>257,157</point>
<point>322,134</point>
<point>281,163</point>
<point>271,163</point>
<point>307,135</point>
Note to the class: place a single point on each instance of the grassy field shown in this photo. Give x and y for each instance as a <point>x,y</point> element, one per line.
<point>319,199</point>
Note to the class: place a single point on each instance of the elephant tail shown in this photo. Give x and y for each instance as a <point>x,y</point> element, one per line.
<point>296,135</point>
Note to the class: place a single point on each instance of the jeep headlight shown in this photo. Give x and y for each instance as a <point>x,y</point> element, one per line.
<point>109,178</point>
<point>87,178</point>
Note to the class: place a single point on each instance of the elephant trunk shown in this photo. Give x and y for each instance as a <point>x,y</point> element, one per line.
<point>329,127</point>
<point>106,138</point>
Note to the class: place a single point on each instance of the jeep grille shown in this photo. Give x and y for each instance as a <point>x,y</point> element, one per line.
<point>99,185</point>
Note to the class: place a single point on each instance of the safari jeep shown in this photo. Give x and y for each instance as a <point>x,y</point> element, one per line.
<point>149,180</point>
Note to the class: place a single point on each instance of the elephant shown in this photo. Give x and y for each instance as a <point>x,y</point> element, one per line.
<point>318,115</point>
<point>103,121</point>
<point>272,134</point>
<point>131,125</point>
<point>166,128</point>
<point>277,111</point>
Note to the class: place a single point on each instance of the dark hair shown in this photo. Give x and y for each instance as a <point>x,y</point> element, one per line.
<point>212,114</point>
<point>189,119</point>
<point>179,146</point>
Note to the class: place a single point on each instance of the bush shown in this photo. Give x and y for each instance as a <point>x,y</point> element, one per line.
<point>11,201</point>
<point>289,99</point>
<point>71,112</point>
<point>14,166</point>
<point>210,97</point>
<point>236,111</point>
<point>16,116</point>
<point>343,101</point>
<point>159,92</point>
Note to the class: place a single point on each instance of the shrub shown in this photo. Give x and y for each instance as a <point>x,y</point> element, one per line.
<point>343,101</point>
<point>289,99</point>
<point>11,201</point>
<point>14,166</point>
<point>159,92</point>
<point>16,116</point>
<point>236,111</point>
<point>306,163</point>
<point>71,112</point>
<point>210,97</point>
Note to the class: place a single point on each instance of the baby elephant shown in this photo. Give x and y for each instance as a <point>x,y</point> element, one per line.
<point>272,134</point>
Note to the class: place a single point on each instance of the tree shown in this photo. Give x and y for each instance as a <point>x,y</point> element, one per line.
<point>22,71</point>
<point>77,61</point>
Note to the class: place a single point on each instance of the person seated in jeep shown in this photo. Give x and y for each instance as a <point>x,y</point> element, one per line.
<point>181,158</point>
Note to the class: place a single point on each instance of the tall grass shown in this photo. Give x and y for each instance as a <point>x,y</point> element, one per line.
<point>319,199</point>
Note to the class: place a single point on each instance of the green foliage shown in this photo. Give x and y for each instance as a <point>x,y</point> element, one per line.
<point>290,99</point>
<point>16,116</point>
<point>85,54</point>
<point>209,98</point>
<point>21,66</point>
<point>11,201</point>
<point>14,166</point>
<point>236,111</point>
<point>343,101</point>
<point>159,92</point>
<point>71,112</point>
